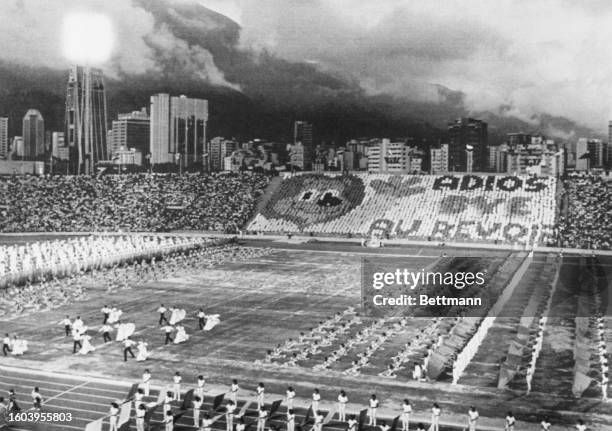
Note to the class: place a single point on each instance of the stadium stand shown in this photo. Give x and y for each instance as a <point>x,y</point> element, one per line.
<point>510,209</point>
<point>151,203</point>
<point>586,223</point>
<point>461,208</point>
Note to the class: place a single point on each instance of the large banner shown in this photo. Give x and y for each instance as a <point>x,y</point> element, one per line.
<point>516,209</point>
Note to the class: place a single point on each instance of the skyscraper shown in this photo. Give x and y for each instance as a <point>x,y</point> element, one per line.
<point>178,129</point>
<point>303,132</point>
<point>86,119</point>
<point>3,138</point>
<point>467,135</point>
<point>131,130</point>
<point>33,135</point>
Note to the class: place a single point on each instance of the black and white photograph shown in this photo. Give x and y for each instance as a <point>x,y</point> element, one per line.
<point>305,215</point>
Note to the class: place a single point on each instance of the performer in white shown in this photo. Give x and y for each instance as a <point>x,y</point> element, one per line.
<point>342,400</point>
<point>146,381</point>
<point>199,391</point>
<point>373,407</point>
<point>290,420</point>
<point>316,397</point>
<point>143,353</point>
<point>176,387</point>
<point>20,346</point>
<point>230,408</point>
<point>86,346</point>
<point>234,388</point>
<point>181,335</point>
<point>197,405</point>
<point>435,417</point>
<point>406,411</point>
<point>124,330</point>
<point>78,324</point>
<point>260,395</point>
<point>176,316</point>
<point>114,316</point>
<point>212,320</point>
<point>290,396</point>
<point>472,418</point>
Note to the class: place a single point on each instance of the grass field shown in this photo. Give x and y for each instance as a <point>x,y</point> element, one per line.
<point>263,302</point>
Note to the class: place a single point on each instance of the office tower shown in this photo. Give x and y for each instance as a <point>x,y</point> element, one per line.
<point>17,148</point>
<point>86,119</point>
<point>59,149</point>
<point>396,157</point>
<point>33,135</point>
<point>303,132</point>
<point>597,152</point>
<point>219,149</point>
<point>467,139</point>
<point>131,130</point>
<point>439,159</point>
<point>583,159</point>
<point>178,129</point>
<point>4,138</point>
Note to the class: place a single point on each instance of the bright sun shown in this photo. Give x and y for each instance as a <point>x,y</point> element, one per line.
<point>88,38</point>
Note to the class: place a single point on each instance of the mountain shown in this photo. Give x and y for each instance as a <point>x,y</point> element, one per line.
<point>254,94</point>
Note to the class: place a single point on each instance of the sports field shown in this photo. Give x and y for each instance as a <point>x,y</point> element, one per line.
<point>285,289</point>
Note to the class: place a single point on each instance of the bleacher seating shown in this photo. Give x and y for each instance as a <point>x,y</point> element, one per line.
<point>510,209</point>
<point>143,203</point>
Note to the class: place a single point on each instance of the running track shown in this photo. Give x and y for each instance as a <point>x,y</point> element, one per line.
<point>87,400</point>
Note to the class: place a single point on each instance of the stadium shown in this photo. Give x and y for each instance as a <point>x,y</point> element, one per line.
<point>265,280</point>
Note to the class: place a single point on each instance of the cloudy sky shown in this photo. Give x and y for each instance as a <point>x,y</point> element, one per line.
<point>531,56</point>
<point>550,56</point>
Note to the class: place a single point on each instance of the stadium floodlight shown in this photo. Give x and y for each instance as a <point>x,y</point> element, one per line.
<point>88,38</point>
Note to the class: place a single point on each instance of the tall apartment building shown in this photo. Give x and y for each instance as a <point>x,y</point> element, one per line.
<point>4,147</point>
<point>131,130</point>
<point>439,159</point>
<point>303,132</point>
<point>178,129</point>
<point>59,149</point>
<point>33,133</point>
<point>396,157</point>
<point>467,139</point>
<point>86,118</point>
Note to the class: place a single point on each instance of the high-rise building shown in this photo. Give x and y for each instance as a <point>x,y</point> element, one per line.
<point>219,149</point>
<point>33,135</point>
<point>303,132</point>
<point>86,119</point>
<point>18,148</point>
<point>439,159</point>
<point>583,158</point>
<point>4,149</point>
<point>178,129</point>
<point>396,157</point>
<point>597,153</point>
<point>131,130</point>
<point>465,136</point>
<point>59,149</point>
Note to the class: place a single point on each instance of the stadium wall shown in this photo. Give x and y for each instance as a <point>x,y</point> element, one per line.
<point>460,208</point>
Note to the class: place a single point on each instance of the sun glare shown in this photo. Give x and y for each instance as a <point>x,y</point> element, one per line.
<point>88,38</point>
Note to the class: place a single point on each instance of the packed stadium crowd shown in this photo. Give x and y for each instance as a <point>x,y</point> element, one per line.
<point>149,203</point>
<point>490,208</point>
<point>587,221</point>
